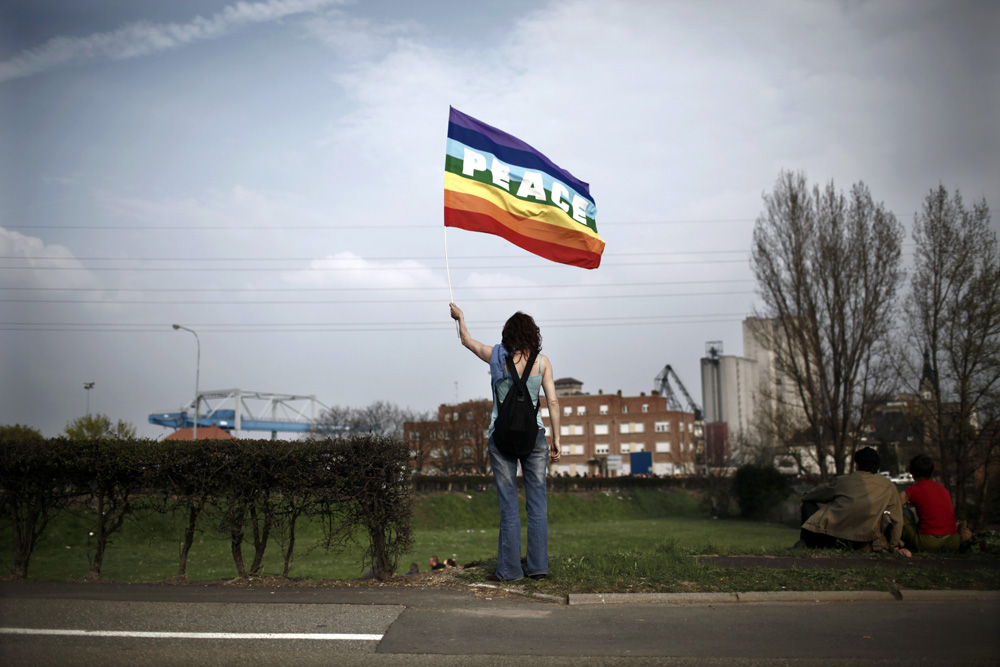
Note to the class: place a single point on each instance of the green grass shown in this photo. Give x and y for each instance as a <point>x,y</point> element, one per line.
<point>599,542</point>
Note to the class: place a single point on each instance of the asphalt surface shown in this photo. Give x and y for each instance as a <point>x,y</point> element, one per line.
<point>116,624</point>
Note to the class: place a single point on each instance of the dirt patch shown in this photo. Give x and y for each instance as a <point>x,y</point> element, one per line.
<point>848,562</point>
<point>449,578</point>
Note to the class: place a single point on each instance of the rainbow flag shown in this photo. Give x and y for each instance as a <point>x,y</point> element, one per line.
<point>496,183</point>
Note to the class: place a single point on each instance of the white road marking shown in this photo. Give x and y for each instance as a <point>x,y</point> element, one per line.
<point>326,636</point>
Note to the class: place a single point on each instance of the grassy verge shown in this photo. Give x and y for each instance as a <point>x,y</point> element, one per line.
<point>669,568</point>
<point>645,541</point>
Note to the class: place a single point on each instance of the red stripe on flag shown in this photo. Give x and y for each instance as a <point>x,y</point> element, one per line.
<point>480,222</point>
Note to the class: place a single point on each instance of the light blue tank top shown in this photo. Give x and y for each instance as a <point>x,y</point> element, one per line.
<point>501,382</point>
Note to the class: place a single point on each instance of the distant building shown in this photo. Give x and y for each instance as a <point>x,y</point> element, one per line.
<point>599,433</point>
<point>729,387</point>
<point>456,443</point>
<point>568,387</point>
<point>749,404</point>
<point>204,433</point>
<point>896,429</point>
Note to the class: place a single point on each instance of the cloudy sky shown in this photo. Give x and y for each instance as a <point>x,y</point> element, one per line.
<point>270,174</point>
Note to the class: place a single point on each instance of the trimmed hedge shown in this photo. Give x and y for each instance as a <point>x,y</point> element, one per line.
<point>253,490</point>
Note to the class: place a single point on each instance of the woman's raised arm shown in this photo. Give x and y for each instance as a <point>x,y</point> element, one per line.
<point>481,350</point>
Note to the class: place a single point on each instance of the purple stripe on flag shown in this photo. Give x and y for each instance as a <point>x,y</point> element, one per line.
<point>503,139</point>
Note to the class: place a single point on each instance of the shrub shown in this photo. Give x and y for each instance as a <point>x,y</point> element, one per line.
<point>759,490</point>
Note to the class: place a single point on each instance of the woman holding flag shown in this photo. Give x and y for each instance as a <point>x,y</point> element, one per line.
<point>521,341</point>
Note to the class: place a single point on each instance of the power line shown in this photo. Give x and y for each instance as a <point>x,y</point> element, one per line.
<point>349,327</point>
<point>250,290</point>
<point>472,323</point>
<point>334,228</point>
<point>207,302</point>
<point>314,258</point>
<point>520,267</point>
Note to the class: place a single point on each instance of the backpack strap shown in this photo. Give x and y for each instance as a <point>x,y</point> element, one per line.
<point>521,382</point>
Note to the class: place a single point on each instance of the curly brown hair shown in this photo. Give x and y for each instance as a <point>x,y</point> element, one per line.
<point>520,333</point>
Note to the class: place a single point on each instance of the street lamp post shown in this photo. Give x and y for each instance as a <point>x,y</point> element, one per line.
<point>197,379</point>
<point>88,386</point>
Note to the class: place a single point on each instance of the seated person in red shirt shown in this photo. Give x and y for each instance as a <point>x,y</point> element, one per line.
<point>934,528</point>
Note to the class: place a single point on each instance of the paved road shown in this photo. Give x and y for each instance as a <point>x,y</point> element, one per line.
<point>109,624</point>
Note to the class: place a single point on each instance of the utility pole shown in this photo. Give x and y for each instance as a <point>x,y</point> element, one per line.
<point>197,378</point>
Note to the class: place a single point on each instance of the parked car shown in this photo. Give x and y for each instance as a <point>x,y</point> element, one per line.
<point>902,478</point>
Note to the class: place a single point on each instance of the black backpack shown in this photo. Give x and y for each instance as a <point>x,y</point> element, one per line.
<point>516,427</point>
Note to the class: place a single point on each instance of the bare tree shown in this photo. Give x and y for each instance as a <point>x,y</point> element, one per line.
<point>383,417</point>
<point>953,313</point>
<point>827,268</point>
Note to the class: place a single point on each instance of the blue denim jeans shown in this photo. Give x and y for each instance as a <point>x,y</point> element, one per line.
<point>509,544</point>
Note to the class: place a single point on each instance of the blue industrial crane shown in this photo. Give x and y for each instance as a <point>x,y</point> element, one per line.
<point>237,410</point>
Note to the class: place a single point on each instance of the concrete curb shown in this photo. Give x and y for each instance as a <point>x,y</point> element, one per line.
<point>930,596</point>
<point>640,598</point>
<point>779,596</point>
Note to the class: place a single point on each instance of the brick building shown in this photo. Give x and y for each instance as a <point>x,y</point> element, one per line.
<point>597,426</point>
<point>455,444</point>
<point>593,428</point>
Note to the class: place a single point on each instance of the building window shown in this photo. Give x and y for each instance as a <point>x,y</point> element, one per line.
<point>639,446</point>
<point>663,447</point>
<point>624,409</point>
<point>447,417</point>
<point>625,447</point>
<point>645,407</point>
<point>467,452</point>
<point>454,416</point>
<point>601,449</point>
<point>662,427</point>
<point>563,430</point>
<point>567,411</point>
<point>545,412</point>
<point>581,411</point>
<point>604,410</point>
<point>415,436</point>
<point>600,429</point>
<point>631,427</point>
<point>466,434</point>
<point>468,415</point>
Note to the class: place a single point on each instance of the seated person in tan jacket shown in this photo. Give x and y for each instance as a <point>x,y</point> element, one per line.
<point>856,511</point>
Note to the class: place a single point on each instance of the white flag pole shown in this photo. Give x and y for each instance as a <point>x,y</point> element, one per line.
<point>447,269</point>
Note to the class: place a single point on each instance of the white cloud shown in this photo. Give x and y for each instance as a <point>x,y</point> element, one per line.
<point>347,269</point>
<point>143,38</point>
<point>236,207</point>
<point>355,39</point>
<point>38,265</point>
